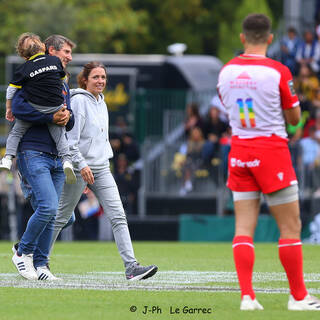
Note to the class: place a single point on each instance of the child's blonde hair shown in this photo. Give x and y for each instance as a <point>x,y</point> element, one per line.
<point>29,44</point>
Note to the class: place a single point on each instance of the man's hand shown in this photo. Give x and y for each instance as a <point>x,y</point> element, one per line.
<point>61,117</point>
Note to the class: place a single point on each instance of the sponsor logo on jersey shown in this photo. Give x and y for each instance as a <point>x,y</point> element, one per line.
<point>280,176</point>
<point>243,80</point>
<point>291,87</point>
<point>243,75</point>
<point>244,164</point>
<point>41,70</point>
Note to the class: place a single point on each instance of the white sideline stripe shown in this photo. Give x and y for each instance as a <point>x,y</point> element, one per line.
<point>243,244</point>
<point>290,244</point>
<point>162,281</point>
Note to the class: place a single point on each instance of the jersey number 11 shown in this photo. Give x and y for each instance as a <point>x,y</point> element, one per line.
<point>249,104</point>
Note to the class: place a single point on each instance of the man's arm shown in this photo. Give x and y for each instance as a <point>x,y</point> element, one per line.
<point>292,115</point>
<point>70,123</point>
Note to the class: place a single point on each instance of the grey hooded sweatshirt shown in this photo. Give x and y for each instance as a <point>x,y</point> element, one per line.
<point>89,138</point>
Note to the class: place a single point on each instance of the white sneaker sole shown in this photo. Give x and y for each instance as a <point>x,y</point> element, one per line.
<point>70,176</point>
<point>248,304</point>
<point>310,303</point>
<point>5,169</point>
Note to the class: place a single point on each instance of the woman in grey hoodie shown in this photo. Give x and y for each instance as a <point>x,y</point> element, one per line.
<point>91,151</point>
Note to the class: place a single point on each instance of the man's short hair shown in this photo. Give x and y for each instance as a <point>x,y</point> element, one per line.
<point>256,27</point>
<point>57,41</point>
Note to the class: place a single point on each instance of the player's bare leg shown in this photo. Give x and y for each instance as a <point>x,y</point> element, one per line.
<point>290,253</point>
<point>246,214</point>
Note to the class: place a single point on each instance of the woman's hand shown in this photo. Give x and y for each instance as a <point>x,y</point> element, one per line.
<point>87,175</point>
<point>9,116</point>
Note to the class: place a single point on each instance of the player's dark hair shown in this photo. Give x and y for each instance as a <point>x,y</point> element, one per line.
<point>256,27</point>
<point>57,41</point>
<point>29,49</point>
<point>85,72</point>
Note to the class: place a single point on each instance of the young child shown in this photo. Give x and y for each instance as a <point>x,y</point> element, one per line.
<point>41,79</point>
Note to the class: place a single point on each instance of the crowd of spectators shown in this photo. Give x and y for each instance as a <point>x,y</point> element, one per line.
<point>302,56</point>
<point>207,143</point>
<point>207,138</point>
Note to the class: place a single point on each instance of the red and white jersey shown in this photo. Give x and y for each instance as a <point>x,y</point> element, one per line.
<point>255,90</point>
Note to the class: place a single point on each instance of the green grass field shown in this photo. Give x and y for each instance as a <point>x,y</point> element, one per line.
<point>192,278</point>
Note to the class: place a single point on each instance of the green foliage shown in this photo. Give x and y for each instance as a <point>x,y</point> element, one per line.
<point>107,26</point>
<point>173,21</point>
<point>50,17</point>
<point>228,49</point>
<point>95,25</point>
<point>132,26</point>
<point>12,23</point>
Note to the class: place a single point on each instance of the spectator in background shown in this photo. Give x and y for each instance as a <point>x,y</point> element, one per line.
<point>194,158</point>
<point>126,145</point>
<point>130,148</point>
<point>121,126</point>
<point>289,46</point>
<point>193,118</point>
<point>307,53</point>
<point>216,102</point>
<point>310,151</point>
<point>128,184</point>
<point>214,128</point>
<point>306,86</point>
<point>316,101</point>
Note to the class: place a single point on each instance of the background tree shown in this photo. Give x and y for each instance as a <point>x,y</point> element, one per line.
<point>231,30</point>
<point>132,26</point>
<point>108,26</point>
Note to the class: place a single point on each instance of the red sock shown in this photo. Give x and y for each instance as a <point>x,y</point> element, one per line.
<point>243,255</point>
<point>290,254</point>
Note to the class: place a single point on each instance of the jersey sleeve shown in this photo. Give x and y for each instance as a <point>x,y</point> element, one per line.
<point>289,99</point>
<point>10,92</point>
<point>18,78</point>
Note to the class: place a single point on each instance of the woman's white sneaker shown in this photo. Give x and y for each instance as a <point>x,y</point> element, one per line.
<point>308,303</point>
<point>248,304</point>
<point>24,265</point>
<point>44,273</point>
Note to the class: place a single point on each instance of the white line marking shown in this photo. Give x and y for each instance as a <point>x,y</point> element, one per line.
<point>201,281</point>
